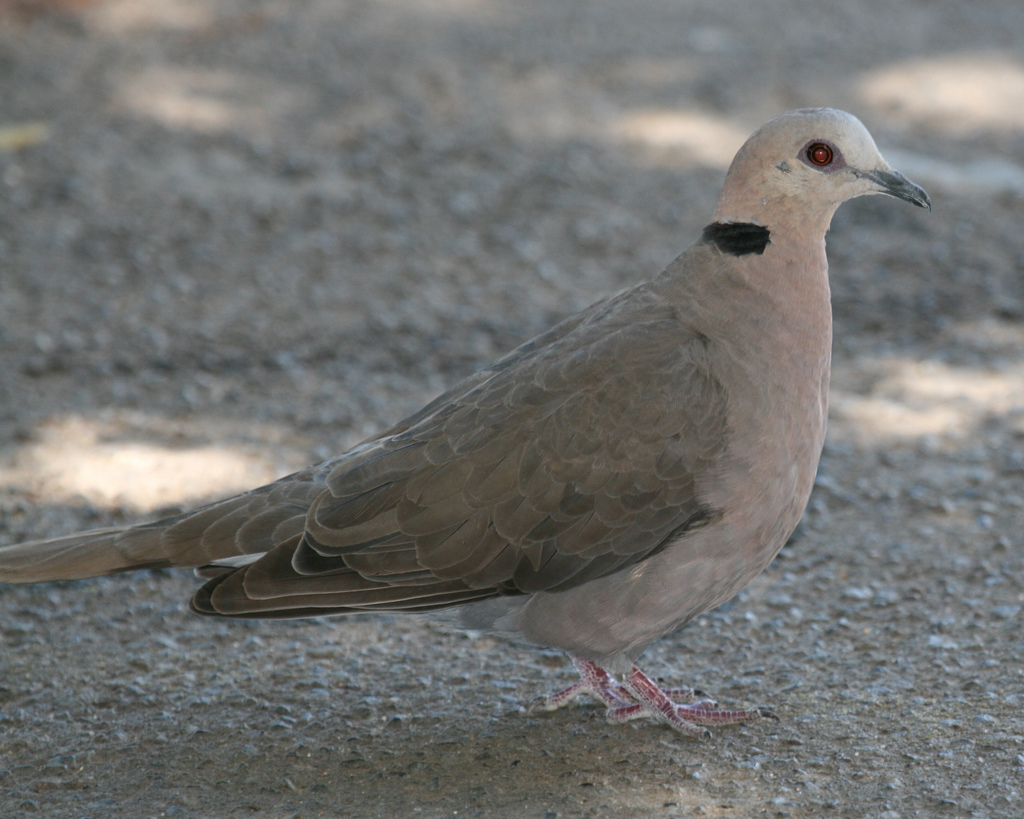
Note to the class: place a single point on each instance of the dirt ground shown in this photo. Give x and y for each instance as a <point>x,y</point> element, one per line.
<point>237,236</point>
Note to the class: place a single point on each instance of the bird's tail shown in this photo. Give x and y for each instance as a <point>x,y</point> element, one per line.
<point>85,554</point>
<point>229,533</point>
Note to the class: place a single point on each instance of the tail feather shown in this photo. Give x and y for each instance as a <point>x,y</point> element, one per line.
<point>247,524</point>
<point>86,554</point>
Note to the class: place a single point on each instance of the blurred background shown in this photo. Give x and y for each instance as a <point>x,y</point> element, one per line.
<point>238,237</point>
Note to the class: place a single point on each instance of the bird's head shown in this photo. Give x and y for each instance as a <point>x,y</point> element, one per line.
<point>804,164</point>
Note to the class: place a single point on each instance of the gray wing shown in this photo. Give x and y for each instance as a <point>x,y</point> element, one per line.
<point>571,458</point>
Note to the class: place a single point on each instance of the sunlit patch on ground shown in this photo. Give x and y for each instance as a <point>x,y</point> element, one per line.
<point>910,399</point>
<point>208,100</point>
<point>705,139</point>
<point>959,93</point>
<point>73,459</point>
<point>134,16</point>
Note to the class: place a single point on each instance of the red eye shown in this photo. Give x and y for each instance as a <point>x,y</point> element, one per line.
<point>819,154</point>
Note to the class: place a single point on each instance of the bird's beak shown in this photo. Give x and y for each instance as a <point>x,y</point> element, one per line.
<point>893,183</point>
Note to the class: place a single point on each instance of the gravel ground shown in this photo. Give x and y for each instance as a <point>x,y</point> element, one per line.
<point>236,237</point>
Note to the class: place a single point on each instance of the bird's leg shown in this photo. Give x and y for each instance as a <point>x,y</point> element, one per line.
<point>688,717</point>
<point>594,681</point>
<point>683,709</point>
<point>602,686</point>
<point>679,696</point>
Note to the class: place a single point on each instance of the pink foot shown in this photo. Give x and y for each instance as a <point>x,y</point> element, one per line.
<point>638,696</point>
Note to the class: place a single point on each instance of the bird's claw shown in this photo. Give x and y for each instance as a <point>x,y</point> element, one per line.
<point>686,710</point>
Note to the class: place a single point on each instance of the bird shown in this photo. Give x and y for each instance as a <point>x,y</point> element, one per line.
<point>594,489</point>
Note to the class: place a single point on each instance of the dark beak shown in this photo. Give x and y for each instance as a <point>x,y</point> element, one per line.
<point>896,184</point>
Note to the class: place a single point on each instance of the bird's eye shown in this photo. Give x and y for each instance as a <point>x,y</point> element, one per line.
<point>819,154</point>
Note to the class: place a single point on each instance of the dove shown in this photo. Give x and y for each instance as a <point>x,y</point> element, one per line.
<point>594,489</point>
